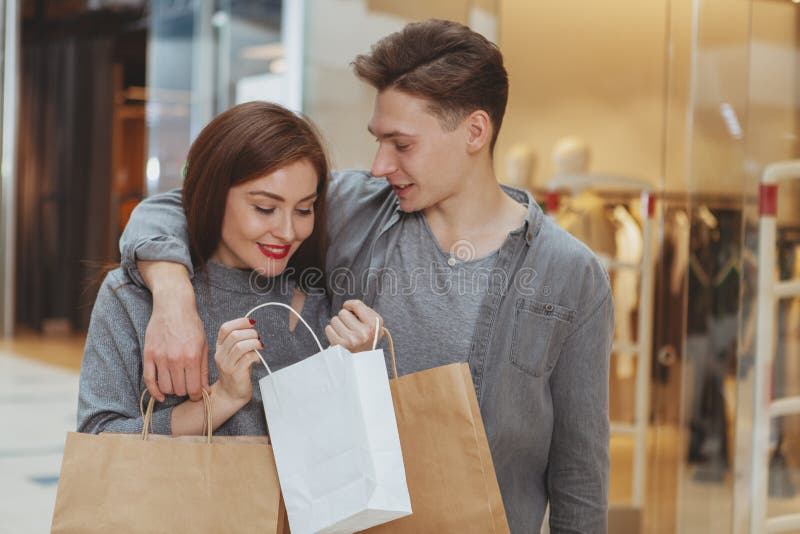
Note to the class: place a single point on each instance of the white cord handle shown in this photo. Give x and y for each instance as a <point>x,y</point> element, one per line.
<point>282,305</point>
<point>377,331</point>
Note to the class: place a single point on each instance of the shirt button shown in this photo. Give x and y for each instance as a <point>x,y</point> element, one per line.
<point>548,307</point>
<point>451,262</point>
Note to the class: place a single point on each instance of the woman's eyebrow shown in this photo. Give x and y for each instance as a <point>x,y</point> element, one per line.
<point>278,197</point>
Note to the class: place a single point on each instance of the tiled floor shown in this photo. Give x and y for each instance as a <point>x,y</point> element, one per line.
<point>37,408</point>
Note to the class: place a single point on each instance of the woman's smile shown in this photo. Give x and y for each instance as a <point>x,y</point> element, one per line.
<point>275,252</point>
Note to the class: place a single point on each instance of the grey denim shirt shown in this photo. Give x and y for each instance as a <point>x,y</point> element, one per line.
<point>539,354</point>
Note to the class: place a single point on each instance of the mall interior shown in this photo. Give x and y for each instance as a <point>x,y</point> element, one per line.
<point>665,134</point>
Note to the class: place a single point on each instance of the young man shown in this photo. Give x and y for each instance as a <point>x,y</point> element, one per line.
<point>460,268</point>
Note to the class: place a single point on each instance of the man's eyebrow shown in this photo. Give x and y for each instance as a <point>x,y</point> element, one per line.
<point>278,197</point>
<point>389,135</point>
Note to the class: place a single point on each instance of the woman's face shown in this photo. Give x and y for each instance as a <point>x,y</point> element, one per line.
<point>266,219</point>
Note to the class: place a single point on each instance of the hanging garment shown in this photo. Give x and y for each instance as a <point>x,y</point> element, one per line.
<point>629,246</point>
<point>584,216</point>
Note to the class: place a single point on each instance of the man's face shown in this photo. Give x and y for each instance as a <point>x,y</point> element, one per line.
<point>424,164</point>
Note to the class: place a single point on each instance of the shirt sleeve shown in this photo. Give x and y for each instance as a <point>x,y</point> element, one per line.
<point>355,202</point>
<point>578,469</point>
<point>111,372</point>
<point>156,231</point>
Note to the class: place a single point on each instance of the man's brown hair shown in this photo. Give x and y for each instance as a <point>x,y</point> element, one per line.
<point>241,144</point>
<point>456,69</point>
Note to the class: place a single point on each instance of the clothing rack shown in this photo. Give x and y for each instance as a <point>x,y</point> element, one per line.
<point>628,188</point>
<point>789,234</point>
<point>665,198</point>
<point>766,409</point>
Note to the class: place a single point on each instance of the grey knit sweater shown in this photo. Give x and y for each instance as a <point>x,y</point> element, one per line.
<point>111,381</point>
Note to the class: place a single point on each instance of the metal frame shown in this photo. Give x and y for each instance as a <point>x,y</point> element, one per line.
<point>8,165</point>
<point>642,348</point>
<point>202,87</point>
<point>770,292</point>
<point>293,36</point>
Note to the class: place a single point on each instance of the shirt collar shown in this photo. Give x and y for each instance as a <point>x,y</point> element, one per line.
<point>534,216</point>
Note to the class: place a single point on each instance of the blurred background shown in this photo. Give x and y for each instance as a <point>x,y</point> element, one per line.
<point>643,127</point>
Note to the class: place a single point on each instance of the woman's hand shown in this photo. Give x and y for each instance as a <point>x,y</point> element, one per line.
<point>236,343</point>
<point>354,327</point>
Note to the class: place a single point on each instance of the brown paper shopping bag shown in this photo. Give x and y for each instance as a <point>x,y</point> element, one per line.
<point>147,483</point>
<point>449,468</point>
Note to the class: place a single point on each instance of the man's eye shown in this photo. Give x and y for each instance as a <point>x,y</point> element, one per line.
<point>401,148</point>
<point>266,211</point>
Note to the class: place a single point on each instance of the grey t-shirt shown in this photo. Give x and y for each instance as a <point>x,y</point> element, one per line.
<point>430,298</point>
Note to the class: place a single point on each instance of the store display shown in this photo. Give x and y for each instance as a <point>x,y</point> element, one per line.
<point>712,327</point>
<point>520,166</point>
<point>629,245</point>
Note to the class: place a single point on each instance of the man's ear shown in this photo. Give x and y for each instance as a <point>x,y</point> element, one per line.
<point>478,129</point>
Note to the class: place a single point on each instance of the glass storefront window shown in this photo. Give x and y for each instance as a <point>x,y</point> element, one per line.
<point>204,57</point>
<point>744,118</point>
<point>332,96</point>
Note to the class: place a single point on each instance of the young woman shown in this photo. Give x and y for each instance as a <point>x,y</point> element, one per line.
<point>253,194</point>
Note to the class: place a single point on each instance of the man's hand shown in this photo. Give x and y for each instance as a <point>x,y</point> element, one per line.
<point>175,347</point>
<point>354,326</point>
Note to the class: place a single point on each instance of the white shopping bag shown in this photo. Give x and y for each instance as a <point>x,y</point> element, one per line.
<point>334,435</point>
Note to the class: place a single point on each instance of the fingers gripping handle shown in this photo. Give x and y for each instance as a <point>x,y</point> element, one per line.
<point>282,305</point>
<point>147,416</point>
<point>378,330</point>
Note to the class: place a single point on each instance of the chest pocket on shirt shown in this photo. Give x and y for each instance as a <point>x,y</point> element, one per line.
<point>540,329</point>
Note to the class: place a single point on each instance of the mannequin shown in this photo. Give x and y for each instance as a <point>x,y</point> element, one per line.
<point>630,246</point>
<point>712,334</point>
<point>571,155</point>
<point>680,236</point>
<point>520,165</point>
<point>584,215</point>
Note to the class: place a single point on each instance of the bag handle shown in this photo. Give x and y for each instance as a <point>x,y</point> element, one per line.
<point>378,329</point>
<point>391,350</point>
<point>147,421</point>
<point>282,305</point>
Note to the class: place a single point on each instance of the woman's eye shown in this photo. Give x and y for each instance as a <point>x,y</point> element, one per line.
<point>266,211</point>
<point>305,213</point>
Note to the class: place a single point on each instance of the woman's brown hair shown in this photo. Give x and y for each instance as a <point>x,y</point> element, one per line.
<point>243,143</point>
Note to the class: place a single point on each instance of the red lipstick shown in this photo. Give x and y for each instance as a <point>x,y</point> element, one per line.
<point>274,252</point>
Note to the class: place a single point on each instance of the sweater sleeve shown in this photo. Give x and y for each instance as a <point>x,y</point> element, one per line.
<point>156,231</point>
<point>111,372</point>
